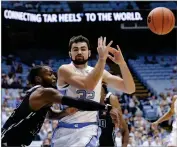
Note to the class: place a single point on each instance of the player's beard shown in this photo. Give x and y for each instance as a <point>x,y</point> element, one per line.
<point>80,62</point>
<point>50,85</point>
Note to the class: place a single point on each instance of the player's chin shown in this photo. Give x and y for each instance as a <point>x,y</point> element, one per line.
<point>53,84</point>
<point>80,60</point>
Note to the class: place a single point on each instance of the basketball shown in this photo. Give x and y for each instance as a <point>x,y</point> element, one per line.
<point>161,20</point>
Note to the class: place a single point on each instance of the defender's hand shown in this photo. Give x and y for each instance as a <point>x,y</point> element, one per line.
<point>71,110</point>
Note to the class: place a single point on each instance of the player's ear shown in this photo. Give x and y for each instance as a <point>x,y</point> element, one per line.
<point>38,79</point>
<point>69,54</point>
<point>89,53</point>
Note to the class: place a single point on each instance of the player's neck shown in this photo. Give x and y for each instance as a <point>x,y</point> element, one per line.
<point>81,66</point>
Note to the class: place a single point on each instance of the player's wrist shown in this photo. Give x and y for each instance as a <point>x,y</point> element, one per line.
<point>102,59</point>
<point>157,122</point>
<point>122,63</point>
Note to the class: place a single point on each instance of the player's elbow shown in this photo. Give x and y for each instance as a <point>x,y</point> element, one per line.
<point>131,90</point>
<point>171,112</point>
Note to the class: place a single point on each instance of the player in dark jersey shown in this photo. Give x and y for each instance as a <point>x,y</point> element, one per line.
<point>108,125</point>
<point>26,120</point>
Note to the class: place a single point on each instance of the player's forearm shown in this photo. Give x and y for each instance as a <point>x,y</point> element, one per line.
<point>84,104</point>
<point>50,95</point>
<point>125,134</point>
<point>124,127</point>
<point>93,78</point>
<point>165,117</point>
<point>128,79</point>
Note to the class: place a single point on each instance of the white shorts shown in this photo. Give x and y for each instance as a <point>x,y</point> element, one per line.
<point>87,136</point>
<point>173,138</point>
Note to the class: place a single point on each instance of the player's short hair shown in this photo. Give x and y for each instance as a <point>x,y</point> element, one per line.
<point>35,71</point>
<point>76,39</point>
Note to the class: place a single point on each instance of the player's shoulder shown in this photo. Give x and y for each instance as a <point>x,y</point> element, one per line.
<point>42,92</point>
<point>36,91</point>
<point>112,96</point>
<point>65,68</point>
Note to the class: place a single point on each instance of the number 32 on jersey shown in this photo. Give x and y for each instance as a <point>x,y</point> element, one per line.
<point>85,94</point>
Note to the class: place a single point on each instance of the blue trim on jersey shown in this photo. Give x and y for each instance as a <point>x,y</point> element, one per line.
<point>94,141</point>
<point>63,92</point>
<point>75,125</point>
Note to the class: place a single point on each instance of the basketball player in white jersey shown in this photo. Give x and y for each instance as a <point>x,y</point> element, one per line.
<point>167,116</point>
<point>79,79</point>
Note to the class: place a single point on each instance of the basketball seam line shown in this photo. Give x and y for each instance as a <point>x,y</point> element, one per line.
<point>171,21</point>
<point>162,21</point>
<point>153,21</point>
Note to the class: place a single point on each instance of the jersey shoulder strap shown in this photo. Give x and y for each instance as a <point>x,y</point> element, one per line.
<point>107,98</point>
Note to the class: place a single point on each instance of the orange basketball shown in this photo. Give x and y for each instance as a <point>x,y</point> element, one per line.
<point>161,20</point>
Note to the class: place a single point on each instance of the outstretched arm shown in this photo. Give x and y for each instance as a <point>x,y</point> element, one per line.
<point>45,96</point>
<point>167,115</point>
<point>126,84</point>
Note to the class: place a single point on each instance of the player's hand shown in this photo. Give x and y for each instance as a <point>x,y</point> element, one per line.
<point>117,55</point>
<point>71,110</point>
<point>102,48</point>
<point>154,125</point>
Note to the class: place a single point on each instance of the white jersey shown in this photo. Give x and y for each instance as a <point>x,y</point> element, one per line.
<point>175,110</point>
<point>95,95</point>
